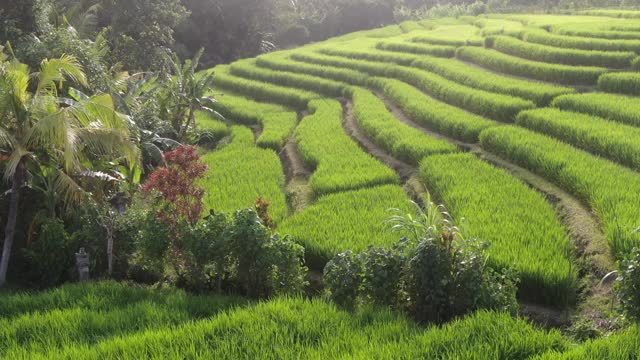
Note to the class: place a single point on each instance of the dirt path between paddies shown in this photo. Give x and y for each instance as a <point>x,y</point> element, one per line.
<point>583,227</point>
<point>297,189</point>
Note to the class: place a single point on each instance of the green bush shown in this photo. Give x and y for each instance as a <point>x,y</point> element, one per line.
<point>434,273</point>
<point>50,256</point>
<point>235,252</point>
<point>627,285</point>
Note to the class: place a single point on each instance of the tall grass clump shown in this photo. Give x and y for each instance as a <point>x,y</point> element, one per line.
<point>620,82</point>
<point>565,74</point>
<point>517,221</point>
<point>611,190</point>
<point>620,108</point>
<point>240,173</point>
<point>512,46</point>
<point>348,220</point>
<point>576,42</point>
<point>261,91</point>
<point>401,140</point>
<point>339,163</point>
<point>596,135</point>
<point>619,346</point>
<point>440,117</point>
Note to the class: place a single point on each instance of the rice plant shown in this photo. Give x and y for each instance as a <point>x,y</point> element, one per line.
<point>564,74</point>
<point>453,35</point>
<point>348,220</point>
<point>611,190</point>
<point>314,329</point>
<point>596,135</point>
<point>418,49</point>
<point>620,108</point>
<point>261,91</point>
<point>620,82</point>
<point>496,106</point>
<point>517,221</point>
<point>401,140</point>
<point>440,117</point>
<point>555,55</point>
<point>576,42</point>
<point>338,162</point>
<point>240,173</point>
<point>248,69</point>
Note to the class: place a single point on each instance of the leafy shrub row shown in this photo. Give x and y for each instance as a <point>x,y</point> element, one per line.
<point>611,190</point>
<point>339,163</point>
<point>555,55</point>
<point>620,82</point>
<point>532,69</point>
<point>620,108</point>
<point>401,140</point>
<point>599,136</point>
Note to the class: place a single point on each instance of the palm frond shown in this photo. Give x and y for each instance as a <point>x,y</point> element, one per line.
<point>55,71</point>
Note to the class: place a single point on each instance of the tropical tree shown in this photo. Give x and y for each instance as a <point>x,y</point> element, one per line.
<point>43,134</point>
<point>187,92</point>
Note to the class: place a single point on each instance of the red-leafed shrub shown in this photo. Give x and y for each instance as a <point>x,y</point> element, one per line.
<point>178,186</point>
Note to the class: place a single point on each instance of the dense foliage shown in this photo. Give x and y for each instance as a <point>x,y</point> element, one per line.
<point>435,273</point>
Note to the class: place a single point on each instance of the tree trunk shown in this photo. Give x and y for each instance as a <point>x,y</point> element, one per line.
<point>10,229</point>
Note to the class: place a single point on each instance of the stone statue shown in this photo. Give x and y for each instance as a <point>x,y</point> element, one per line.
<point>82,263</point>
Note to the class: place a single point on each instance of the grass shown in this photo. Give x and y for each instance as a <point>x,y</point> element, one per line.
<point>349,220</point>
<point>576,42</point>
<point>83,315</point>
<point>243,110</point>
<point>214,128</point>
<point>620,82</point>
<point>339,163</point>
<point>240,173</point>
<point>604,34</point>
<point>517,221</point>
<point>611,190</point>
<point>284,63</point>
<point>620,108</point>
<point>564,74</point>
<point>612,140</point>
<point>620,346</point>
<point>555,55</point>
<point>437,116</point>
<point>261,91</point>
<point>314,329</point>
<point>402,141</point>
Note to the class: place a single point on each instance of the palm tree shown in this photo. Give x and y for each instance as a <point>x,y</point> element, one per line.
<point>40,130</point>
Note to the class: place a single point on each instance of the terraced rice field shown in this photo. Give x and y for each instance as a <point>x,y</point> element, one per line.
<point>345,129</point>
